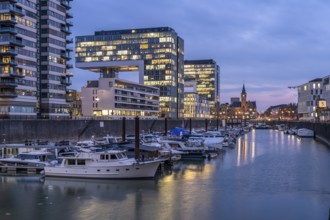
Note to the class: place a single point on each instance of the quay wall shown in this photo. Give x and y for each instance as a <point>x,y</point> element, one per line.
<point>321,130</point>
<point>17,131</point>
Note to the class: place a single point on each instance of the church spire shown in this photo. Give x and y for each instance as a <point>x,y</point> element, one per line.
<point>243,89</point>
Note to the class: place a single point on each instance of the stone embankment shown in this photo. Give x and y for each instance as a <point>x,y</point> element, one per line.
<point>18,131</point>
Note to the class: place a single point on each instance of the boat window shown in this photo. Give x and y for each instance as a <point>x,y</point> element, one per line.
<point>71,162</point>
<point>107,157</point>
<point>113,157</point>
<point>102,157</point>
<point>108,170</point>
<point>127,169</point>
<point>119,156</point>
<point>81,162</point>
<point>124,155</point>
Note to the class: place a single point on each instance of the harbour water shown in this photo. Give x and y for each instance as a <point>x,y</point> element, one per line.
<point>268,175</point>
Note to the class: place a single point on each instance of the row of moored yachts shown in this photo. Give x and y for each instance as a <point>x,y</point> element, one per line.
<point>111,158</point>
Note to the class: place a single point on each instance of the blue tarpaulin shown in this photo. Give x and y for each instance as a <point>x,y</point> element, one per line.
<point>178,131</point>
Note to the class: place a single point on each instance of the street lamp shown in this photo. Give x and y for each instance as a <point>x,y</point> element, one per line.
<point>97,99</point>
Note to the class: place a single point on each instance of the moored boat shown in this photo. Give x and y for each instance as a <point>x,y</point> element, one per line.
<point>186,151</point>
<point>110,164</point>
<point>304,132</point>
<point>34,160</point>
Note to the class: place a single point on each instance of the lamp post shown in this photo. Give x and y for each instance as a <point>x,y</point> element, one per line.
<point>97,99</point>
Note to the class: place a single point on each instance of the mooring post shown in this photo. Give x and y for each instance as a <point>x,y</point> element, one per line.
<point>165,129</point>
<point>205,124</point>
<point>123,131</point>
<point>217,124</point>
<point>137,138</point>
<point>190,125</point>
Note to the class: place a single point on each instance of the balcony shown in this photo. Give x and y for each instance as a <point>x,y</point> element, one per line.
<point>66,4</point>
<point>8,94</point>
<point>69,23</point>
<point>10,30</point>
<point>68,15</point>
<point>10,1</point>
<point>69,99</point>
<point>16,42</point>
<point>66,81</point>
<point>11,21</point>
<point>69,66</point>
<point>17,11</point>
<point>11,52</point>
<point>11,74</point>
<point>9,63</point>
<point>68,74</point>
<point>65,29</point>
<point>5,83</point>
<point>69,40</point>
<point>65,55</point>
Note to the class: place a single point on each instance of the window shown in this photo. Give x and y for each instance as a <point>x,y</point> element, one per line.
<point>71,162</point>
<point>81,162</point>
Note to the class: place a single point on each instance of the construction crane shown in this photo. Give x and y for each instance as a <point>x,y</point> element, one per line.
<point>292,87</point>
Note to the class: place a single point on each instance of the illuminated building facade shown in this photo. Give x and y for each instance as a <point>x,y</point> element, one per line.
<point>156,53</point>
<point>117,98</point>
<point>54,29</point>
<point>74,99</point>
<point>206,74</point>
<point>32,71</point>
<point>239,109</point>
<point>194,105</point>
<point>308,96</point>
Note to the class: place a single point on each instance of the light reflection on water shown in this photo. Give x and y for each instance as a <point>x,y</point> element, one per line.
<point>268,175</point>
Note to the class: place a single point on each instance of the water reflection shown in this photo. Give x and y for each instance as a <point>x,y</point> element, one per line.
<point>268,175</point>
<point>246,149</point>
<point>97,199</point>
<point>186,193</point>
<point>46,198</point>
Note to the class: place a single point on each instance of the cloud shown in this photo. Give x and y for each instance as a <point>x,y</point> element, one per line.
<point>268,44</point>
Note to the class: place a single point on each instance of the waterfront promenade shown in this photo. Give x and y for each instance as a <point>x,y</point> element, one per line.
<point>268,175</point>
<point>18,131</point>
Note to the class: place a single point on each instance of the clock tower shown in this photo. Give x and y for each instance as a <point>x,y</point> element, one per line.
<point>243,99</point>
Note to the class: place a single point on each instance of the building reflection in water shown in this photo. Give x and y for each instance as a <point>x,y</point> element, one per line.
<point>185,189</point>
<point>246,149</point>
<point>99,199</point>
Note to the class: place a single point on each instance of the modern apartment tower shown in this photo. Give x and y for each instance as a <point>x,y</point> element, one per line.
<point>206,74</point>
<point>33,58</point>
<point>156,53</point>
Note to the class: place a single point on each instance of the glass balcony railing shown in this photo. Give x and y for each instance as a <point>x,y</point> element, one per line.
<point>10,30</point>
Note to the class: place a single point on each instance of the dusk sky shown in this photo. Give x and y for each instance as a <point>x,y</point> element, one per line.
<point>267,44</point>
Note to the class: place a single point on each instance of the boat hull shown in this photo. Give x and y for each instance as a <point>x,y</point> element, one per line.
<point>303,132</point>
<point>137,170</point>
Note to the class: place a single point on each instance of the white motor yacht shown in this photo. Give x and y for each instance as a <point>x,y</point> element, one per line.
<point>181,148</point>
<point>110,164</point>
<point>33,159</point>
<point>304,132</point>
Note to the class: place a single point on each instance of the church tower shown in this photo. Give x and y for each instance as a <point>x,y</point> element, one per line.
<point>243,99</point>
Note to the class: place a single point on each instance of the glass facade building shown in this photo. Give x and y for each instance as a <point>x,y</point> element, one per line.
<point>308,96</point>
<point>156,52</point>
<point>117,98</point>
<point>33,75</point>
<point>206,74</point>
